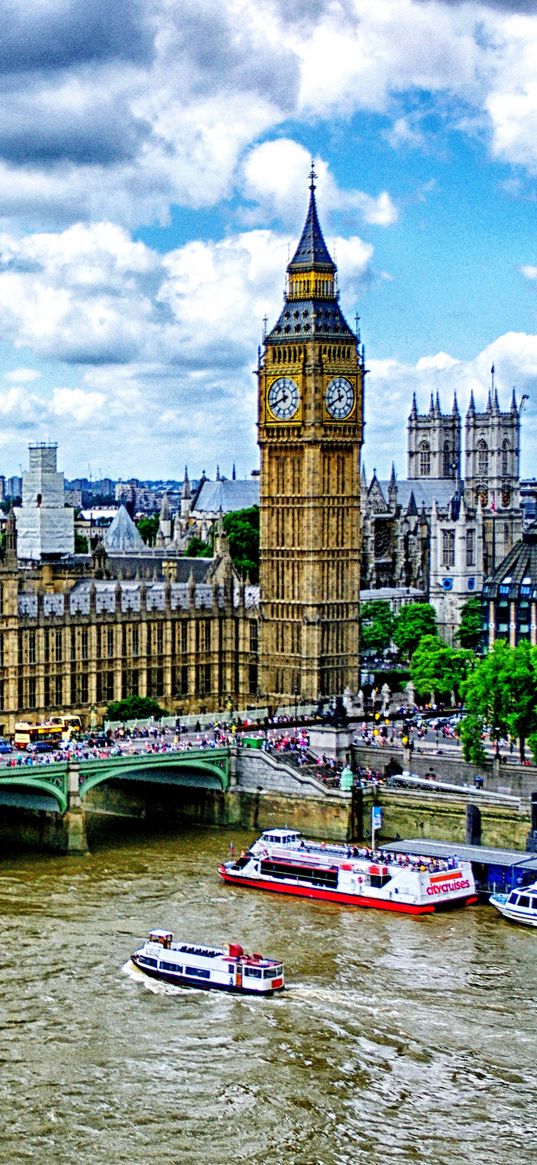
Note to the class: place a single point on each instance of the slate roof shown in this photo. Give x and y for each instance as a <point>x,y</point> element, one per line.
<point>425,492</point>
<point>312,251</point>
<point>516,577</point>
<point>226,496</point>
<point>77,600</point>
<point>302,319</point>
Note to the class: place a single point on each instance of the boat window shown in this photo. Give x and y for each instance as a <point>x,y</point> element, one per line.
<point>534,904</point>
<point>272,972</point>
<point>172,967</point>
<point>253,973</point>
<point>199,972</point>
<point>147,961</point>
<point>524,901</point>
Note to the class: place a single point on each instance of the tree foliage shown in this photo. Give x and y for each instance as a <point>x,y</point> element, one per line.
<point>414,621</point>
<point>242,529</point>
<point>197,548</point>
<point>501,693</point>
<point>437,668</point>
<point>148,529</point>
<point>469,632</point>
<point>377,623</point>
<point>134,708</point>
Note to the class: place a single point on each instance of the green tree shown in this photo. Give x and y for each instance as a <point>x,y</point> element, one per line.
<point>197,548</point>
<point>471,731</point>
<point>414,621</point>
<point>469,633</point>
<point>134,708</point>
<point>148,529</point>
<point>81,543</point>
<point>242,529</point>
<point>377,623</point>
<point>501,693</point>
<point>437,668</point>
<point>522,717</point>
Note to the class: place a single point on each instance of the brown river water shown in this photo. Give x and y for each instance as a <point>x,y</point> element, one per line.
<point>399,1039</point>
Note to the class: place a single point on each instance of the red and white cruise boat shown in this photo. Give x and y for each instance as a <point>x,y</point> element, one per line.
<point>283,861</point>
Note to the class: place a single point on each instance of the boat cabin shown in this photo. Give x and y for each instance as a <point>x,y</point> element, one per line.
<point>281,837</point>
<point>164,937</point>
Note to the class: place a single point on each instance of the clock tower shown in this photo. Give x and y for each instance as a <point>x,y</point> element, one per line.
<point>310,401</point>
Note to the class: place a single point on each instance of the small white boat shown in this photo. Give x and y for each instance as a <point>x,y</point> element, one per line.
<point>226,968</point>
<point>518,906</point>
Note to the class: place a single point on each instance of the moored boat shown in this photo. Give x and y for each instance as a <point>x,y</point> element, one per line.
<point>226,968</point>
<point>519,905</point>
<point>283,861</point>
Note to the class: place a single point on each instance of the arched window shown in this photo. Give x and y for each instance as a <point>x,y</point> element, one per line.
<point>505,458</point>
<point>448,460</point>
<point>425,459</point>
<point>482,458</point>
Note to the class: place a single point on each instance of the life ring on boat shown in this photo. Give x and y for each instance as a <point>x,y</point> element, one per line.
<point>360,880</point>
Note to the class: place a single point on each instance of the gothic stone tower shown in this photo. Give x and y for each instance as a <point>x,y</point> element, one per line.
<point>492,475</point>
<point>434,442</point>
<point>310,402</point>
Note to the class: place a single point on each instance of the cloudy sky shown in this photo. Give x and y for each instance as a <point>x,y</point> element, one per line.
<point>154,164</point>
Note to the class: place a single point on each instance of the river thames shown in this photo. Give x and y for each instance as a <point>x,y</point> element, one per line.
<point>400,1039</point>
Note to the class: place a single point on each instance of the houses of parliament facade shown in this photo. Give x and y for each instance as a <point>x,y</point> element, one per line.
<point>80,630</point>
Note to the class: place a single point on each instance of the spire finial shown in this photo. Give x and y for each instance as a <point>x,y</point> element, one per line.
<point>312,175</point>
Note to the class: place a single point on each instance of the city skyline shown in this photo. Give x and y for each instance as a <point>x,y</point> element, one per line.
<point>154,177</point>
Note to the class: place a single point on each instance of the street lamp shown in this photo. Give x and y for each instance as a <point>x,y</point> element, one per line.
<point>296,694</point>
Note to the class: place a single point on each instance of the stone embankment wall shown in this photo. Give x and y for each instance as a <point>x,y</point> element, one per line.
<point>515,779</point>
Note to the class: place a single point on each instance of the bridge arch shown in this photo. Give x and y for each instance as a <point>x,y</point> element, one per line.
<point>192,770</point>
<point>47,791</point>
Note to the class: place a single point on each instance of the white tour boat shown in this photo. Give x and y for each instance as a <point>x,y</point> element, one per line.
<point>226,968</point>
<point>283,861</point>
<point>519,906</point>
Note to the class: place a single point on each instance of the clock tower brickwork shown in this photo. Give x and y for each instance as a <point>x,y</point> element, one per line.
<point>310,400</point>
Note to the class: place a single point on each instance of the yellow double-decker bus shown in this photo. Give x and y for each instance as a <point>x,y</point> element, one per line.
<point>55,731</point>
<point>29,734</point>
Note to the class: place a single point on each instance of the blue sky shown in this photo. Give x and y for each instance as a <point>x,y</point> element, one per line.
<point>153,174</point>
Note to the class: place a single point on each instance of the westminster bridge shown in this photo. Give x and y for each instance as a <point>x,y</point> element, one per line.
<point>236,786</point>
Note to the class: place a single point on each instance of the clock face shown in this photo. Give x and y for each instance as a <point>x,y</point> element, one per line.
<point>339,398</point>
<point>283,398</point>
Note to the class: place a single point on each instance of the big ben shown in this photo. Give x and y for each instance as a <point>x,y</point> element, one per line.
<point>310,401</point>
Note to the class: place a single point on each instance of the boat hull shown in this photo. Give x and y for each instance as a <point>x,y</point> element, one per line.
<point>327,895</point>
<point>204,985</point>
<point>512,915</point>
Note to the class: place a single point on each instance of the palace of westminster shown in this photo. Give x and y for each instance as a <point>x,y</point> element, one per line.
<point>79,630</point>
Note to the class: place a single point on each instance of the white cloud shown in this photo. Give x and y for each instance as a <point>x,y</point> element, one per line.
<point>529,272</point>
<point>22,375</point>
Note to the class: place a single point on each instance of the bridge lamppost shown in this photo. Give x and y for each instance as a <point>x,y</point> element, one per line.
<point>296,695</point>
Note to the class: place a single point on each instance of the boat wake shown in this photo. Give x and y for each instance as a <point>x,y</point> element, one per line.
<point>155,985</point>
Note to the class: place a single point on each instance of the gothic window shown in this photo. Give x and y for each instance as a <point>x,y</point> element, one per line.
<point>482,458</point>
<point>448,460</point>
<point>382,540</point>
<point>425,459</point>
<point>505,458</point>
<point>448,547</point>
<point>470,548</point>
